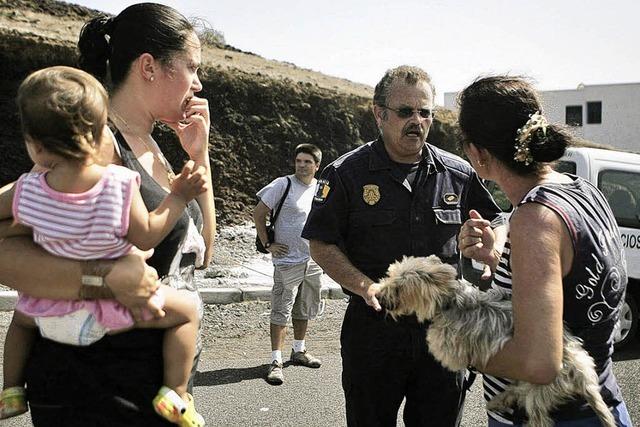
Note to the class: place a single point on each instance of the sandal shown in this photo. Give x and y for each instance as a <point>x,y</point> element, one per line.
<point>191,418</point>
<point>171,407</point>
<point>13,402</point>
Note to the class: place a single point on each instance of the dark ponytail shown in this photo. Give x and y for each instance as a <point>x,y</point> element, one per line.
<point>94,46</point>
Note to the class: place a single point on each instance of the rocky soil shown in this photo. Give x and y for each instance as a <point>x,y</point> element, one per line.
<point>249,321</point>
<point>235,259</point>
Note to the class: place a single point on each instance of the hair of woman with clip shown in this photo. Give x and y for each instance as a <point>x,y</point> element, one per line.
<point>485,100</point>
<point>556,238</point>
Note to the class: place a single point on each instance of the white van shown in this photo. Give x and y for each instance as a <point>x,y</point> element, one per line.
<point>617,175</point>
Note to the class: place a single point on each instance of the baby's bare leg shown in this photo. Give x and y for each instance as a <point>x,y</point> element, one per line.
<point>179,348</point>
<point>17,346</point>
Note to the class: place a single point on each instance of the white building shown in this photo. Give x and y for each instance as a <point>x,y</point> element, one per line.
<point>606,114</point>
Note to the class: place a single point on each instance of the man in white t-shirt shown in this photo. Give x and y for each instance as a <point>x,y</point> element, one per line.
<point>296,277</point>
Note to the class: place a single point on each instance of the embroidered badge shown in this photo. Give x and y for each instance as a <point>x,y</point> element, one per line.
<point>450,198</point>
<point>371,194</point>
<point>322,190</point>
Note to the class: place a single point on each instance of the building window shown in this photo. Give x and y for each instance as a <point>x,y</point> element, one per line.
<point>573,116</point>
<point>594,112</point>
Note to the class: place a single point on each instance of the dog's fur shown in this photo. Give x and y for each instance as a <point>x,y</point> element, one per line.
<point>469,326</point>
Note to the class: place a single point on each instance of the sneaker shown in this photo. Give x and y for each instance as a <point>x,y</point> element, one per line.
<point>275,375</point>
<point>13,402</point>
<point>305,358</point>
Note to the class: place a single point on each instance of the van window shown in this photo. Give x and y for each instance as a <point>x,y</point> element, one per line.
<point>622,190</point>
<point>564,166</point>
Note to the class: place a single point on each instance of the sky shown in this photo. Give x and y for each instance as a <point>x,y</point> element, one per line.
<point>558,43</point>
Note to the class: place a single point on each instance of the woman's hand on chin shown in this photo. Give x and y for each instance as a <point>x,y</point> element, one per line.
<point>193,130</point>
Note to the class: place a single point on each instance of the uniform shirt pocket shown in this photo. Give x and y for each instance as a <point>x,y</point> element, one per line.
<point>444,238</point>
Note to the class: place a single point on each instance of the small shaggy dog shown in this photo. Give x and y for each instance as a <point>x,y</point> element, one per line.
<point>469,326</point>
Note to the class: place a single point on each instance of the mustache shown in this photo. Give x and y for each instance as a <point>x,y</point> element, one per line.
<point>413,128</point>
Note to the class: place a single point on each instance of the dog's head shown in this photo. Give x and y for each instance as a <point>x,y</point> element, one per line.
<point>420,286</point>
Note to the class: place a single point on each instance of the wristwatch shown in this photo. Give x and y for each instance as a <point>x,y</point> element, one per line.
<point>267,245</point>
<point>89,280</point>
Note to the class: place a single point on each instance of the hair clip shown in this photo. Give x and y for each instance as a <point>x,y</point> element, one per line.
<point>536,123</point>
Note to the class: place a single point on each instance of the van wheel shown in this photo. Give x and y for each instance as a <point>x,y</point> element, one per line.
<point>627,326</point>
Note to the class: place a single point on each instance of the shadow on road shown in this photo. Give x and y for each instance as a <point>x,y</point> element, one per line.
<point>631,352</point>
<point>233,375</point>
<point>230,375</point>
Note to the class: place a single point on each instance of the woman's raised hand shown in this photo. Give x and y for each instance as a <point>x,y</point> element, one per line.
<point>476,240</point>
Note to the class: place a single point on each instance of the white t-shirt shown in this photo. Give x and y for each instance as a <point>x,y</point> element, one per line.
<point>292,217</point>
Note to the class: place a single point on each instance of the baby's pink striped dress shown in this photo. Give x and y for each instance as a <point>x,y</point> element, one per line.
<point>82,226</point>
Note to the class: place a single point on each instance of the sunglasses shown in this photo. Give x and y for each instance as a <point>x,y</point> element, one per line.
<point>406,112</point>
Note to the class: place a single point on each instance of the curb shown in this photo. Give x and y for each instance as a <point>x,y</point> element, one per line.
<point>209,295</point>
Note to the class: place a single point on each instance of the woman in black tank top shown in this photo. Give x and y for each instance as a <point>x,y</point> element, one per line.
<point>152,54</point>
<point>561,232</point>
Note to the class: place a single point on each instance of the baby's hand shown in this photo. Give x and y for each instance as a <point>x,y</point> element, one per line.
<point>189,183</point>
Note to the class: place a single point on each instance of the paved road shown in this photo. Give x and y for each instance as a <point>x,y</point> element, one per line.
<point>230,389</point>
<point>240,397</point>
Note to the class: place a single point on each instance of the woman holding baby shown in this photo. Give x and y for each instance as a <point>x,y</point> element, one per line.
<point>149,56</point>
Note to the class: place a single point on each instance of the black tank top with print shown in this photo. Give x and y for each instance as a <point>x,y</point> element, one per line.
<point>593,291</point>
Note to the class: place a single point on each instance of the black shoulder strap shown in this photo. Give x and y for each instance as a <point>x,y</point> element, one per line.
<point>274,216</point>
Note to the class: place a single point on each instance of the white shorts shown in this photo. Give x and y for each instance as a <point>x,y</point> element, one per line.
<point>296,292</point>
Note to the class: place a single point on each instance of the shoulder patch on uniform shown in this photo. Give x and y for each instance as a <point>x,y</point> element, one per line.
<point>322,191</point>
<point>450,198</point>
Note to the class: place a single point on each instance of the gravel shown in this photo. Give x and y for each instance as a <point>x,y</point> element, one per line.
<point>236,263</point>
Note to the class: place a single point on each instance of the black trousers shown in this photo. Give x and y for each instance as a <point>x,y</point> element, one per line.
<point>110,383</point>
<point>384,362</point>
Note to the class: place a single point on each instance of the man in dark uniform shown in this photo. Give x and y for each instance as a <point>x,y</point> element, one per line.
<point>392,197</point>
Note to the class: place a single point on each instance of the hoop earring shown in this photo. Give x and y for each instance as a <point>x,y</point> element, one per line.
<point>478,163</point>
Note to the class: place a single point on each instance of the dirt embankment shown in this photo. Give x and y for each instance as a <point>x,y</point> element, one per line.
<point>260,109</point>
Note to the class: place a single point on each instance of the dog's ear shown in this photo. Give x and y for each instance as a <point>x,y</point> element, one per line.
<point>433,259</point>
<point>439,271</point>
<point>437,279</point>
<point>398,266</point>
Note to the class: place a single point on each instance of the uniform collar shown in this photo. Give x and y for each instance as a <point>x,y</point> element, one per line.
<point>379,158</point>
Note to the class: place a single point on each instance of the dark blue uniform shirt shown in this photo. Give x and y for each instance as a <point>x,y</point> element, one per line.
<point>364,204</point>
